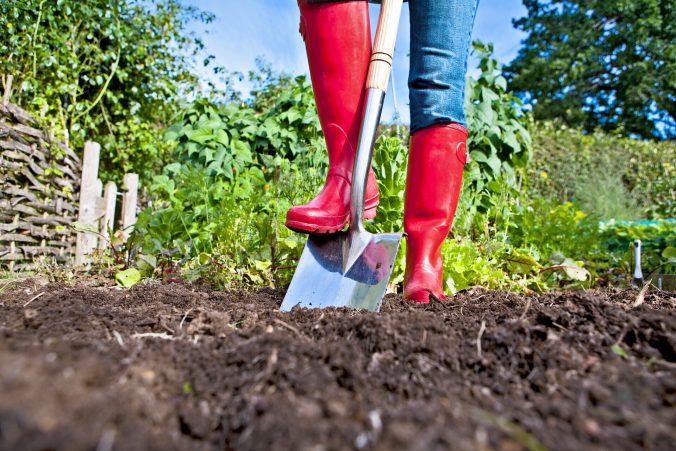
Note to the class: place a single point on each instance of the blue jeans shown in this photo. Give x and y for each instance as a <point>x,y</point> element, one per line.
<point>441,32</point>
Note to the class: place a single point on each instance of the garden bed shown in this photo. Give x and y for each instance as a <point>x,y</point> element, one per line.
<point>165,366</point>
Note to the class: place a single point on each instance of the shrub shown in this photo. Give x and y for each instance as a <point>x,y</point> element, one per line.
<point>499,143</point>
<point>219,210</point>
<point>658,243</point>
<point>610,176</point>
<point>114,71</point>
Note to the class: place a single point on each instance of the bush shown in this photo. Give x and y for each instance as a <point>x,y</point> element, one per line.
<point>113,71</point>
<point>611,177</point>
<point>523,244</point>
<point>230,231</point>
<point>219,210</point>
<point>498,142</point>
<point>658,243</point>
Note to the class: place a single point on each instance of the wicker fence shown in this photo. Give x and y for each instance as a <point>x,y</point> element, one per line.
<point>39,180</point>
<point>45,190</point>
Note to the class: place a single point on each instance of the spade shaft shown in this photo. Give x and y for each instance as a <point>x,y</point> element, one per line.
<point>358,237</point>
<point>377,80</point>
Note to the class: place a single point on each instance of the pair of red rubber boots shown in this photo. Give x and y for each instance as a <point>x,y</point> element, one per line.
<point>338,43</point>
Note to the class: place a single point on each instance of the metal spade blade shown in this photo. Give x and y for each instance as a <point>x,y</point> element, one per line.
<point>319,280</point>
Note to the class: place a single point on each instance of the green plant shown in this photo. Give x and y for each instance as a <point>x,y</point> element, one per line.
<point>224,139</point>
<point>389,164</point>
<point>467,263</point>
<point>219,209</point>
<point>228,231</point>
<point>658,243</point>
<point>550,228</point>
<point>522,243</point>
<point>114,71</point>
<point>609,175</point>
<point>499,143</point>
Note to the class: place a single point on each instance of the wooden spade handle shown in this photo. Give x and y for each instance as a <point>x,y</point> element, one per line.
<point>383,47</point>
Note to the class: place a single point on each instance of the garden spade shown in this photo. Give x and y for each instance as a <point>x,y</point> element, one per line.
<point>352,268</point>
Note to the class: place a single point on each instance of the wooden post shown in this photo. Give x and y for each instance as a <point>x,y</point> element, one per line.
<point>89,193</point>
<point>129,201</point>
<point>7,85</point>
<point>108,220</point>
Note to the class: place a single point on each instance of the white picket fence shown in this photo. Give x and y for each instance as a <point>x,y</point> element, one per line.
<point>97,206</point>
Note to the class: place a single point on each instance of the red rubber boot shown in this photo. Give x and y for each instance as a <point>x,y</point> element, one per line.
<point>435,163</point>
<point>338,43</point>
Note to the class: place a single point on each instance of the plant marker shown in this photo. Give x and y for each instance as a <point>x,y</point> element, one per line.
<point>638,274</point>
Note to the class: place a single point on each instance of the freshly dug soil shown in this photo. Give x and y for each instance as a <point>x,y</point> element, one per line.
<point>162,366</point>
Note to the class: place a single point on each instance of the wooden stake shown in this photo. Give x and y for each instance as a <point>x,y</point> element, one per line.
<point>108,220</point>
<point>7,82</point>
<point>129,200</point>
<point>89,192</point>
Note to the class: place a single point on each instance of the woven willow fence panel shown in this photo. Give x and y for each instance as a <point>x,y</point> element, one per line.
<point>39,181</point>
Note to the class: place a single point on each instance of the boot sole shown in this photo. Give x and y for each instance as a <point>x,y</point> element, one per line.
<point>304,227</point>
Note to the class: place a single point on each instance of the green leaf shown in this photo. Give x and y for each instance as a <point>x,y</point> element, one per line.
<point>293,115</point>
<point>488,95</point>
<point>486,112</point>
<point>479,156</point>
<point>128,277</point>
<point>669,252</point>
<point>574,270</point>
<point>521,263</point>
<point>200,136</point>
<point>203,258</point>
<point>510,139</point>
<point>494,163</point>
<point>619,350</point>
<point>221,137</point>
<point>187,388</point>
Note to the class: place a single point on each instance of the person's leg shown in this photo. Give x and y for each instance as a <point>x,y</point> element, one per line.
<point>441,32</point>
<point>338,42</point>
<point>440,39</point>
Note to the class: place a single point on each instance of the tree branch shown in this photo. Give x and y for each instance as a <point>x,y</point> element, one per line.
<point>104,88</point>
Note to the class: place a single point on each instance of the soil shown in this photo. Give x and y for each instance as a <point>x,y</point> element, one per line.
<point>171,366</point>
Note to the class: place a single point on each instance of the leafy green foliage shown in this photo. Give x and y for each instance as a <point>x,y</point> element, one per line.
<point>499,144</point>
<point>219,209</point>
<point>129,277</point>
<point>229,230</point>
<point>113,71</point>
<point>609,176</point>
<point>389,164</point>
<point>467,263</point>
<point>548,229</point>
<point>225,139</point>
<point>223,203</point>
<point>658,243</point>
<point>524,244</point>
<point>607,64</point>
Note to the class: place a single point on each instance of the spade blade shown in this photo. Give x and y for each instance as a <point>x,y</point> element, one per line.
<point>320,280</point>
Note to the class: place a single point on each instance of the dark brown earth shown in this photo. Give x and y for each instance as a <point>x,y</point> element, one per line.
<point>177,367</point>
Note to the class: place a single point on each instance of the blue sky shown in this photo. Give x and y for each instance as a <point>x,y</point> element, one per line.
<point>247,29</point>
